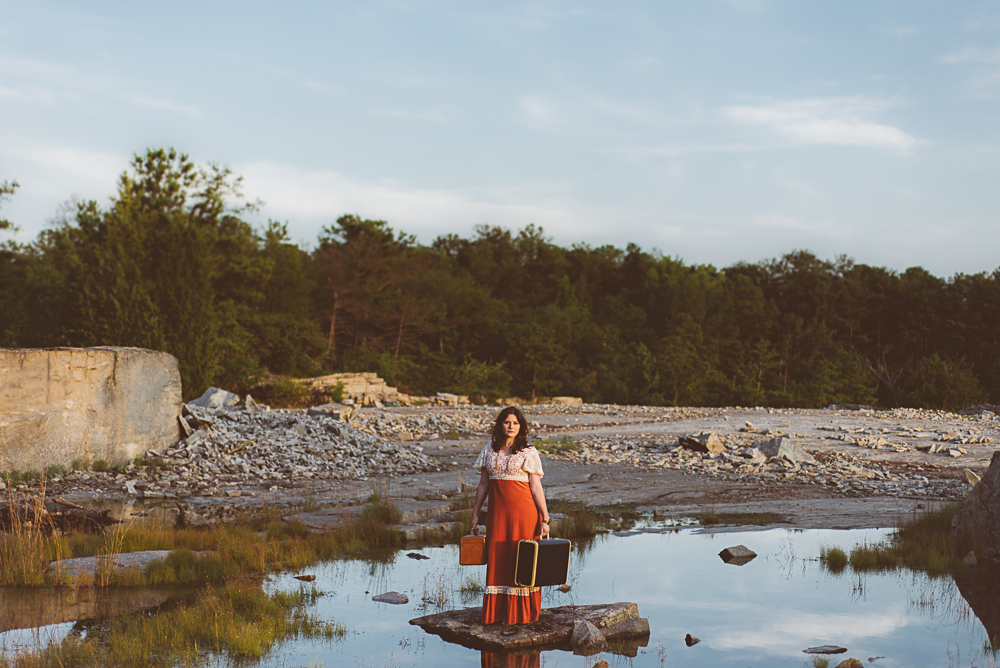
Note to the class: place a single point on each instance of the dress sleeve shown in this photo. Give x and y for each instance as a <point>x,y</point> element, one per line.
<point>481,460</point>
<point>532,462</point>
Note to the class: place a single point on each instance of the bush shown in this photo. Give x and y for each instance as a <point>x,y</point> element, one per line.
<point>288,394</point>
<point>945,384</point>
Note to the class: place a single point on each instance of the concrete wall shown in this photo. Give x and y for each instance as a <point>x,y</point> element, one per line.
<point>62,404</point>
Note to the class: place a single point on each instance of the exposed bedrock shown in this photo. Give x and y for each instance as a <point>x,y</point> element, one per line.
<point>58,405</point>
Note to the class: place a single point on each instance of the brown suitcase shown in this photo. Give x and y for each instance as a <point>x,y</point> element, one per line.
<point>472,550</point>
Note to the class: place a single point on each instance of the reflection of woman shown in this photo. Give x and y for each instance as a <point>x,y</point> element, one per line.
<point>512,477</point>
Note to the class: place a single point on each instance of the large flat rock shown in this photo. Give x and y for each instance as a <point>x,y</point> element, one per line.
<point>58,405</point>
<point>619,622</point>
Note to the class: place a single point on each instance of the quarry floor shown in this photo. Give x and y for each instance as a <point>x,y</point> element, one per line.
<point>666,491</point>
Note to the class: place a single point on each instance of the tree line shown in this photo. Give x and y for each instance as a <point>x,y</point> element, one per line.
<point>171,264</point>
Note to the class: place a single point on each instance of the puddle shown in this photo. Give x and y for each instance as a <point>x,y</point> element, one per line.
<point>763,613</point>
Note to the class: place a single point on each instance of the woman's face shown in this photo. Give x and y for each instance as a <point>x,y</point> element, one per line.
<point>511,426</point>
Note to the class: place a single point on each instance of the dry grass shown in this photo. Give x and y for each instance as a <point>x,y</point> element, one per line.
<point>249,549</point>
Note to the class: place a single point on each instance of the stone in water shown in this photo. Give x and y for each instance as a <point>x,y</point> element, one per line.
<point>393,597</point>
<point>737,555</point>
<point>825,649</point>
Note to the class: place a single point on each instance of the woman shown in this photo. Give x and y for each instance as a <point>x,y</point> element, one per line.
<point>511,475</point>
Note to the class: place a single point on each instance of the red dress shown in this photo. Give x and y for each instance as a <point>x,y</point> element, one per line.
<point>512,516</point>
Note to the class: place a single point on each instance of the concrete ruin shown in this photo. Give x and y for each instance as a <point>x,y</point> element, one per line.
<point>60,405</point>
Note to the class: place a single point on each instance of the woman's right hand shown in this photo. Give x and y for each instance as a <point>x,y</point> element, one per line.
<point>475,524</point>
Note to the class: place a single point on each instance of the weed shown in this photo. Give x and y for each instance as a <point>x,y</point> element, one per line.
<point>579,521</point>
<point>834,559</point>
<point>79,465</point>
<point>54,471</point>
<point>451,435</point>
<point>379,511</point>
<point>820,662</point>
<point>100,466</point>
<point>564,444</point>
<point>710,517</point>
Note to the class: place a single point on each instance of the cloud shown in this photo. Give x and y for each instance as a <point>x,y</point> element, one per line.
<point>190,111</point>
<point>538,109</point>
<point>792,223</point>
<point>973,54</point>
<point>317,198</point>
<point>824,121</point>
<point>438,114</point>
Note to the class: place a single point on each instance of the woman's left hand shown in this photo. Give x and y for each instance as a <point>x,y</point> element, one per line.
<point>545,530</point>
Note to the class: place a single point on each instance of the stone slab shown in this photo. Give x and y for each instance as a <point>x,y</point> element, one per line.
<point>89,566</point>
<point>58,405</point>
<point>553,630</point>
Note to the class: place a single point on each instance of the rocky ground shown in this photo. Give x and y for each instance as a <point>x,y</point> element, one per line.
<point>870,467</point>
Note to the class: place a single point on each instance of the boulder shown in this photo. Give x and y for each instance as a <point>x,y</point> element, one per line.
<point>214,398</point>
<point>587,639</point>
<point>702,443</point>
<point>619,623</point>
<point>978,518</point>
<point>754,455</point>
<point>567,401</point>
<point>58,405</point>
<point>339,412</point>
<point>393,597</point>
<point>850,663</point>
<point>250,405</point>
<point>737,555</point>
<point>783,448</point>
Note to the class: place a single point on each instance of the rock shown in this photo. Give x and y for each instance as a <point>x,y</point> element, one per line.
<point>689,639</point>
<point>417,555</point>
<point>782,448</point>
<point>553,630</point>
<point>971,476</point>
<point>338,412</point>
<point>737,555</point>
<point>214,398</point>
<point>62,404</point>
<point>3,485</point>
<point>393,597</point>
<point>970,559</point>
<point>754,455</point>
<point>250,405</point>
<point>702,443</point>
<point>825,649</point>
<point>92,566</point>
<point>748,427</point>
<point>186,429</point>
<point>587,639</point>
<point>564,588</point>
<point>850,663</point>
<point>601,664</point>
<point>305,578</point>
<point>566,401</point>
<point>978,518</point>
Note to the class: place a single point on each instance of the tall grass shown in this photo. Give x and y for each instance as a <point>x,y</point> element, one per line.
<point>924,543</point>
<point>231,550</point>
<point>237,620</point>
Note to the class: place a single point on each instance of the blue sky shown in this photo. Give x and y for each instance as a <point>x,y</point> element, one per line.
<point>716,131</point>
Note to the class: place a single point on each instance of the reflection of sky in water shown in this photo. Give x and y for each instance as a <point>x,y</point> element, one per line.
<point>761,614</point>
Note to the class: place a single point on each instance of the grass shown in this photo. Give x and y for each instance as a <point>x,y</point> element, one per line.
<point>833,558</point>
<point>924,543</point>
<point>549,445</point>
<point>258,548</point>
<point>819,662</point>
<point>710,517</point>
<point>238,621</point>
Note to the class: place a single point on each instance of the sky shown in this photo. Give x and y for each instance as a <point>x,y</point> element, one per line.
<point>715,131</point>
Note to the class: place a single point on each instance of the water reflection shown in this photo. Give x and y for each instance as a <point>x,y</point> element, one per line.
<point>763,613</point>
<point>510,660</point>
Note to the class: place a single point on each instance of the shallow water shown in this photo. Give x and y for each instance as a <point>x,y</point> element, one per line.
<point>763,613</point>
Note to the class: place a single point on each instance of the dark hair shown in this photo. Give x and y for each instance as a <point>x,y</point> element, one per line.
<point>500,436</point>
